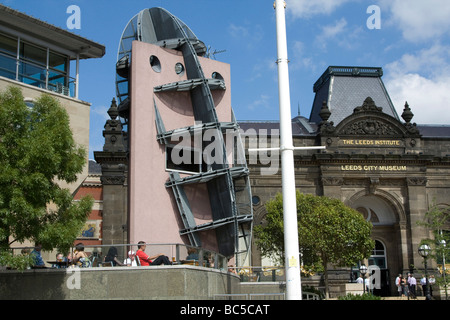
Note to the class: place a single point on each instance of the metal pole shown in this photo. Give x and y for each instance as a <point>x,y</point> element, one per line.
<point>77,77</point>
<point>293,282</point>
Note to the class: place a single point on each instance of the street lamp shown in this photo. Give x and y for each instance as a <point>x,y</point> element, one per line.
<point>443,243</point>
<point>424,251</point>
<point>363,270</point>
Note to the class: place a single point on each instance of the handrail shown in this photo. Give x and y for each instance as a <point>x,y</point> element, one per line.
<point>178,253</point>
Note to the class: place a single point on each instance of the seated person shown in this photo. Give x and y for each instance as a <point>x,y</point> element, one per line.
<point>192,254</point>
<point>131,260</point>
<point>146,260</point>
<point>37,258</point>
<point>80,258</point>
<point>112,257</point>
<point>62,261</point>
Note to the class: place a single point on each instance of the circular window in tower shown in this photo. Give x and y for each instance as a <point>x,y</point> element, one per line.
<point>154,62</point>
<point>179,68</point>
<point>216,75</point>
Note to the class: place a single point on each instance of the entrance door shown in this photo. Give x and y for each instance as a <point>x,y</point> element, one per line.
<point>378,258</point>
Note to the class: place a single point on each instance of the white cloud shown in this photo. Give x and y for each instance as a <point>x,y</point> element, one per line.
<point>308,8</point>
<point>330,32</point>
<point>422,79</point>
<point>263,102</point>
<point>427,98</point>
<point>419,20</point>
<point>238,31</point>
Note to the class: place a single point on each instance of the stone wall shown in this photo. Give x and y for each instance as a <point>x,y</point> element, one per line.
<point>121,283</point>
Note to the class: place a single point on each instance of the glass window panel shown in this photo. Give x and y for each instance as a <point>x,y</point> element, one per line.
<point>8,67</point>
<point>57,61</point>
<point>33,53</point>
<point>32,74</point>
<point>8,45</point>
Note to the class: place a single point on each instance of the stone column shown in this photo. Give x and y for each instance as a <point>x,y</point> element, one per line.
<point>417,205</point>
<point>113,160</point>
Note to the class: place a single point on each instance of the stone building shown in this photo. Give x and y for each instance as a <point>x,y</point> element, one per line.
<point>386,167</point>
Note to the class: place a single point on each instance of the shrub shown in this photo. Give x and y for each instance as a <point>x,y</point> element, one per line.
<point>365,296</point>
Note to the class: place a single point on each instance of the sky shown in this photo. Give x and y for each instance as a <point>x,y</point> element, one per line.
<point>409,39</point>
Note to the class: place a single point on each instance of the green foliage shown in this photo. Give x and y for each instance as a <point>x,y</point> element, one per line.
<point>17,262</point>
<point>364,296</point>
<point>37,151</point>
<point>436,220</point>
<point>328,231</point>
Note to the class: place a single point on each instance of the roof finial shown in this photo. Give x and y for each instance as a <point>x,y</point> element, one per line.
<point>407,113</point>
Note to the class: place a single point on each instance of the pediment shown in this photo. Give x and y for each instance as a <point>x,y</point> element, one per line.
<point>370,120</point>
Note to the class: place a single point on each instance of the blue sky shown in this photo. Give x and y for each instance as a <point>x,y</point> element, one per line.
<point>412,46</point>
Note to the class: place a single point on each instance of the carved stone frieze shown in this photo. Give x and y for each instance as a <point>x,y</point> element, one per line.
<point>416,181</point>
<point>112,180</point>
<point>370,127</point>
<point>332,181</point>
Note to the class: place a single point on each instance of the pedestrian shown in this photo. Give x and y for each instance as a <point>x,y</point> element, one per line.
<point>423,283</point>
<point>399,284</point>
<point>431,281</point>
<point>412,285</point>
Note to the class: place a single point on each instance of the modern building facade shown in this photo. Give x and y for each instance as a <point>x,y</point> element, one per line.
<point>41,58</point>
<point>184,183</point>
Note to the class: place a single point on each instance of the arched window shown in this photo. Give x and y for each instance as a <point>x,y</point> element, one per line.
<point>378,256</point>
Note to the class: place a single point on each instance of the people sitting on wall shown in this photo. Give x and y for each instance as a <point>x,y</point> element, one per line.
<point>111,256</point>
<point>80,258</point>
<point>192,254</point>
<point>131,261</point>
<point>147,260</point>
<point>37,257</point>
<point>61,261</point>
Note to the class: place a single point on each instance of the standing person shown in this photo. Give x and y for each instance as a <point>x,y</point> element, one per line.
<point>399,284</point>
<point>412,285</point>
<point>423,283</point>
<point>431,281</point>
<point>367,284</point>
<point>146,260</point>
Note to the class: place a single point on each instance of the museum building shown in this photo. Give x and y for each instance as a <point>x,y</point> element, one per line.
<point>388,168</point>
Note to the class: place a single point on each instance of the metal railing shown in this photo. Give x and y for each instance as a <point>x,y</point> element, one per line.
<point>178,254</point>
<point>263,296</point>
<point>260,273</point>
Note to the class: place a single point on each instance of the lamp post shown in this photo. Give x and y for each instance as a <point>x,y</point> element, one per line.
<point>443,243</point>
<point>424,251</point>
<point>363,270</point>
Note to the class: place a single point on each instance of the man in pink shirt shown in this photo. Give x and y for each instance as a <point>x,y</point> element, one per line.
<point>146,260</point>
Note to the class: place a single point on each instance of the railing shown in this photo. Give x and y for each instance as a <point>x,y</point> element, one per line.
<point>37,75</point>
<point>263,296</point>
<point>260,274</point>
<point>177,253</point>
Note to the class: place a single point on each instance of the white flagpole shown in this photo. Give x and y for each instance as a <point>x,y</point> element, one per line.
<point>293,281</point>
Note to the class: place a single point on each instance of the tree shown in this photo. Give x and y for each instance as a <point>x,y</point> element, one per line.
<point>437,220</point>
<point>37,150</point>
<point>329,232</point>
